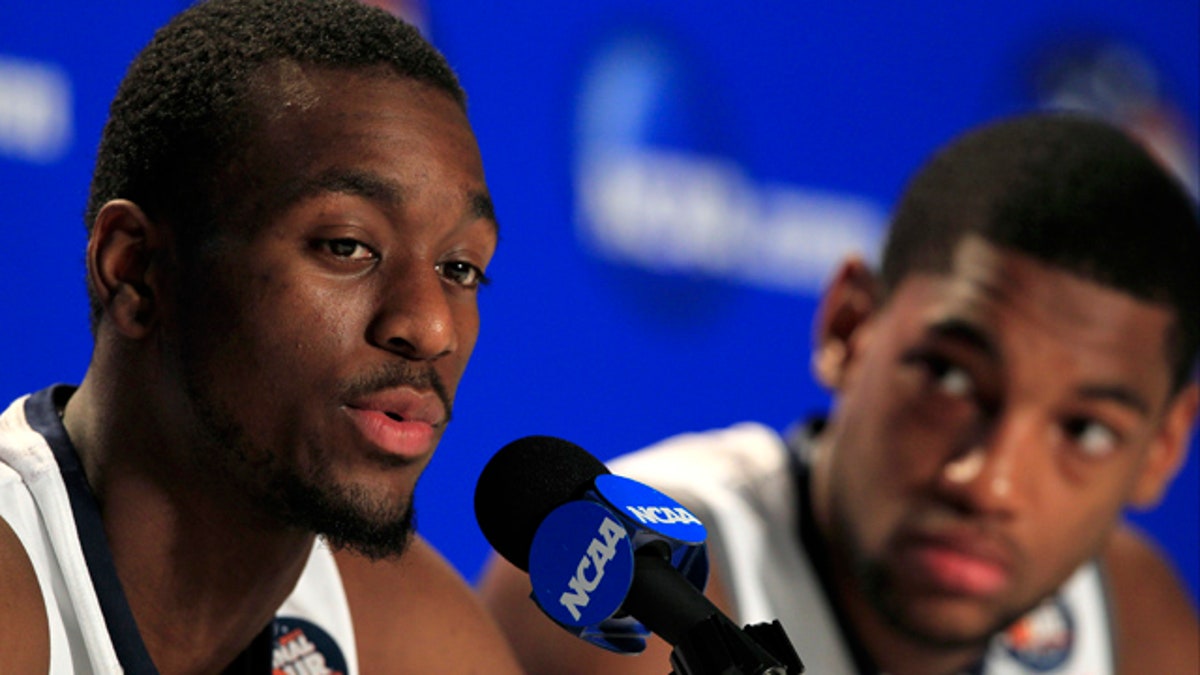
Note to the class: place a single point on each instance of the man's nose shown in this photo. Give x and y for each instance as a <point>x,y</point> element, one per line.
<point>994,473</point>
<point>414,317</point>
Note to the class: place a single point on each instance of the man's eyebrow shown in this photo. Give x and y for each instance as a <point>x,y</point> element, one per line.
<point>346,181</point>
<point>376,188</point>
<point>963,331</point>
<point>1118,394</point>
<point>481,207</point>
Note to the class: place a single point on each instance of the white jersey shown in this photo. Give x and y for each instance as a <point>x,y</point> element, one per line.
<point>44,497</point>
<point>742,482</point>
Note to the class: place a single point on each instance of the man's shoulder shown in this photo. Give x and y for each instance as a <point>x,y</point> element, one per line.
<point>39,542</point>
<point>23,453</point>
<point>24,629</point>
<point>418,614</point>
<point>28,472</point>
<point>736,454</point>
<point>13,429</point>
<point>1156,623</point>
<point>23,447</point>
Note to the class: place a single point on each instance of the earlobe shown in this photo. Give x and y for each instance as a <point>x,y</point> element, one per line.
<point>1168,450</point>
<point>850,299</point>
<point>120,256</point>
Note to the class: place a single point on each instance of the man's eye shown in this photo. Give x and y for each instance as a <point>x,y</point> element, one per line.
<point>463,273</point>
<point>1094,439</point>
<point>349,249</point>
<point>948,378</point>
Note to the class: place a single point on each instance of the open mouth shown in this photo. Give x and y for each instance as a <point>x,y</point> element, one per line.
<point>394,433</point>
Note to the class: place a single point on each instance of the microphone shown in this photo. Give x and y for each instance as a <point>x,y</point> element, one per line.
<point>611,559</point>
<point>587,538</point>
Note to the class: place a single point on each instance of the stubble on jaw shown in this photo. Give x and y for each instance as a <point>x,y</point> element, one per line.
<point>296,498</point>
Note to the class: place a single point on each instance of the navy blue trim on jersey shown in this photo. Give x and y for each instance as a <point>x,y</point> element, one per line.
<point>41,411</point>
<point>258,658</point>
<point>815,550</point>
<point>1110,613</point>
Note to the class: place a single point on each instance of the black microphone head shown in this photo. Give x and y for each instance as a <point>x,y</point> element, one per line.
<point>522,483</point>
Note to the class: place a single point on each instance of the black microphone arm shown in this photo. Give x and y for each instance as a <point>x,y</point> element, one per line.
<point>705,641</point>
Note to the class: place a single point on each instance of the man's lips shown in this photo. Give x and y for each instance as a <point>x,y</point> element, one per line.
<point>958,563</point>
<point>401,422</point>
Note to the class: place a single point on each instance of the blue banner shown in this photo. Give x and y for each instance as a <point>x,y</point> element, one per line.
<point>674,183</point>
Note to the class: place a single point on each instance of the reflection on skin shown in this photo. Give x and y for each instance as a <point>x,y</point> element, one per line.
<point>968,467</point>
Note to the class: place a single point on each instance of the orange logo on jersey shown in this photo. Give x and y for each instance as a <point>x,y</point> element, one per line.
<point>1042,639</point>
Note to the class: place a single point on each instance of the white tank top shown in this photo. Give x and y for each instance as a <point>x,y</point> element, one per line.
<point>44,497</point>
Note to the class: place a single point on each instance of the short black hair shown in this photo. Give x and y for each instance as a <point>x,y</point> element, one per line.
<point>1068,190</point>
<point>182,111</point>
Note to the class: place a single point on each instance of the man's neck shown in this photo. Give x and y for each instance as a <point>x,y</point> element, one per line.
<point>892,651</point>
<point>203,573</point>
<point>882,646</point>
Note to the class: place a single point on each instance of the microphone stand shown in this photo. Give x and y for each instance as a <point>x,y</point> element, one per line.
<point>716,646</point>
<point>666,603</point>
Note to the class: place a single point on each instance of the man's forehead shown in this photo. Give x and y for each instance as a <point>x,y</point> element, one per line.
<point>307,131</point>
<point>1005,297</point>
<point>983,274</point>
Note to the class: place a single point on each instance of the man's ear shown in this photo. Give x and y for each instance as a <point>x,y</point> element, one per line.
<point>121,255</point>
<point>851,298</point>
<point>1168,449</point>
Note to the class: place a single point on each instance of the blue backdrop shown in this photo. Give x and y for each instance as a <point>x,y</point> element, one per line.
<point>674,182</point>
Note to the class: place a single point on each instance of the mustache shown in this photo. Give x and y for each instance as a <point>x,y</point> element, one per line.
<point>395,375</point>
<point>942,520</point>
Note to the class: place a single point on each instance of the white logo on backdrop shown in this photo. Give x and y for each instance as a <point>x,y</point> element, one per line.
<point>35,110</point>
<point>693,214</point>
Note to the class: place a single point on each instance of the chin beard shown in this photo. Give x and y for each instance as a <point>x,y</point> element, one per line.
<point>880,590</point>
<point>908,620</point>
<point>347,517</point>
